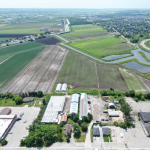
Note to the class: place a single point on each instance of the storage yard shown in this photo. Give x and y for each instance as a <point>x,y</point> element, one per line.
<point>41,73</point>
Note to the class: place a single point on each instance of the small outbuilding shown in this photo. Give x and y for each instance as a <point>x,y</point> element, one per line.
<point>105,131</point>
<point>113,114</point>
<point>111,105</point>
<point>96,131</point>
<point>5,111</point>
<point>63,118</point>
<point>28,99</point>
<point>68,129</point>
<point>58,87</point>
<point>64,87</point>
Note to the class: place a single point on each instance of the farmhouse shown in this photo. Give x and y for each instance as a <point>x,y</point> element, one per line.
<point>5,111</point>
<point>64,87</point>
<point>83,106</point>
<point>145,118</point>
<point>28,99</point>
<point>96,131</point>
<point>68,129</point>
<point>6,122</point>
<point>54,107</point>
<point>58,87</point>
<point>74,103</point>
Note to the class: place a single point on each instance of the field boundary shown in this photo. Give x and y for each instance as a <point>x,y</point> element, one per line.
<point>97,75</point>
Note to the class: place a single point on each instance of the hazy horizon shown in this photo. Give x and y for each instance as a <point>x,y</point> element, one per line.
<point>90,4</point>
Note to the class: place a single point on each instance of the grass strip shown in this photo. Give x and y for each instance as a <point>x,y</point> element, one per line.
<point>144,56</point>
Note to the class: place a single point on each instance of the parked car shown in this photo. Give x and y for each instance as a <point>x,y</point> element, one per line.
<point>97,121</point>
<point>24,136</point>
<point>25,121</point>
<point>10,133</point>
<point>102,119</point>
<point>106,119</point>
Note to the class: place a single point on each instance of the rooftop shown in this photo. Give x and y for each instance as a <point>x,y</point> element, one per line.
<point>96,131</point>
<point>5,111</point>
<point>28,99</point>
<point>145,116</point>
<point>105,131</point>
<point>63,118</point>
<point>68,128</point>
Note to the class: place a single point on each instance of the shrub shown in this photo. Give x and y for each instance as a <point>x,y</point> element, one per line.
<point>132,93</point>
<point>127,94</point>
<point>136,99</point>
<point>138,95</point>
<point>116,123</point>
<point>75,118</point>
<point>69,116</point>
<point>4,142</point>
<point>18,100</point>
<point>61,124</point>
<point>142,98</point>
<point>40,94</point>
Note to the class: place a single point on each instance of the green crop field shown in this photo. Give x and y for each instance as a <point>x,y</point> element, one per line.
<point>26,28</point>
<point>133,82</point>
<point>78,72</point>
<point>82,73</point>
<point>102,47</point>
<point>22,55</point>
<point>85,31</point>
<point>111,77</point>
<point>3,39</point>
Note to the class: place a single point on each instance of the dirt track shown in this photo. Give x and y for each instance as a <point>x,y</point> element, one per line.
<point>41,73</point>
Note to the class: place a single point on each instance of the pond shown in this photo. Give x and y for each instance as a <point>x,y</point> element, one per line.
<point>112,57</point>
<point>141,68</point>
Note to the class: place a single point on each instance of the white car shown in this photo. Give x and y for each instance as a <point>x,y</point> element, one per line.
<point>10,133</point>
<point>25,121</point>
<point>24,136</point>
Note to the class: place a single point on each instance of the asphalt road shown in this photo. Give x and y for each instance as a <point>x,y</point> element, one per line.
<point>142,44</point>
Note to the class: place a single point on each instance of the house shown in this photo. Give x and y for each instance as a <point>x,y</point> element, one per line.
<point>96,131</point>
<point>105,131</point>
<point>63,118</point>
<point>5,111</point>
<point>28,99</point>
<point>68,129</point>
<point>111,105</point>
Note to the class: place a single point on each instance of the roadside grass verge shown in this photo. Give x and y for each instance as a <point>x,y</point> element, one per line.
<point>144,56</point>
<point>91,134</point>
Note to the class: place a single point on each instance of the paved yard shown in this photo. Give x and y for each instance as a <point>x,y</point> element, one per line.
<point>67,104</point>
<point>19,128</point>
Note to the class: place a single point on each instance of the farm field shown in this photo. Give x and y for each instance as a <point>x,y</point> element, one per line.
<point>22,55</point>
<point>85,31</point>
<point>79,72</point>
<point>40,74</point>
<point>111,77</point>
<point>48,41</point>
<point>102,47</point>
<point>29,28</point>
<point>17,49</point>
<point>3,39</point>
<point>134,82</point>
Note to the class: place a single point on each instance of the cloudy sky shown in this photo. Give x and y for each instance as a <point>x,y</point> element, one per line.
<point>74,3</point>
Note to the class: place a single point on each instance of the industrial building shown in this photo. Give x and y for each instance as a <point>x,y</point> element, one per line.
<point>58,87</point>
<point>96,131</point>
<point>54,107</point>
<point>74,104</point>
<point>6,122</point>
<point>105,131</point>
<point>145,118</point>
<point>5,111</point>
<point>83,106</point>
<point>64,87</point>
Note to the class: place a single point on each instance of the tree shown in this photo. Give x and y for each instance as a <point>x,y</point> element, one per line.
<point>76,129</point>
<point>126,108</point>
<point>75,118</point>
<point>61,124</point>
<point>132,93</point>
<point>4,142</point>
<point>40,94</point>
<point>84,126</point>
<point>111,89</point>
<point>18,100</point>
<point>44,103</point>
<point>127,94</point>
<point>72,115</point>
<point>84,119</point>
<point>138,95</point>
<point>22,142</point>
<point>143,98</point>
<point>136,99</point>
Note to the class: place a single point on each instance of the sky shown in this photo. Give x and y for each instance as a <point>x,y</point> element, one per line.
<point>74,3</point>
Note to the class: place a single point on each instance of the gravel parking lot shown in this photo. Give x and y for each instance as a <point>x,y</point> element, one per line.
<point>97,107</point>
<point>19,128</point>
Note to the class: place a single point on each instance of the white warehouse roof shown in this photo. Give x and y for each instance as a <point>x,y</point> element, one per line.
<point>74,103</point>
<point>64,87</point>
<point>58,87</point>
<point>55,105</point>
<point>83,106</point>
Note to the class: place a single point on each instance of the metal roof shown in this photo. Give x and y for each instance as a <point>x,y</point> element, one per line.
<point>58,87</point>
<point>55,105</point>
<point>111,104</point>
<point>74,103</point>
<point>83,106</point>
<point>145,116</point>
<point>64,87</point>
<point>105,131</point>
